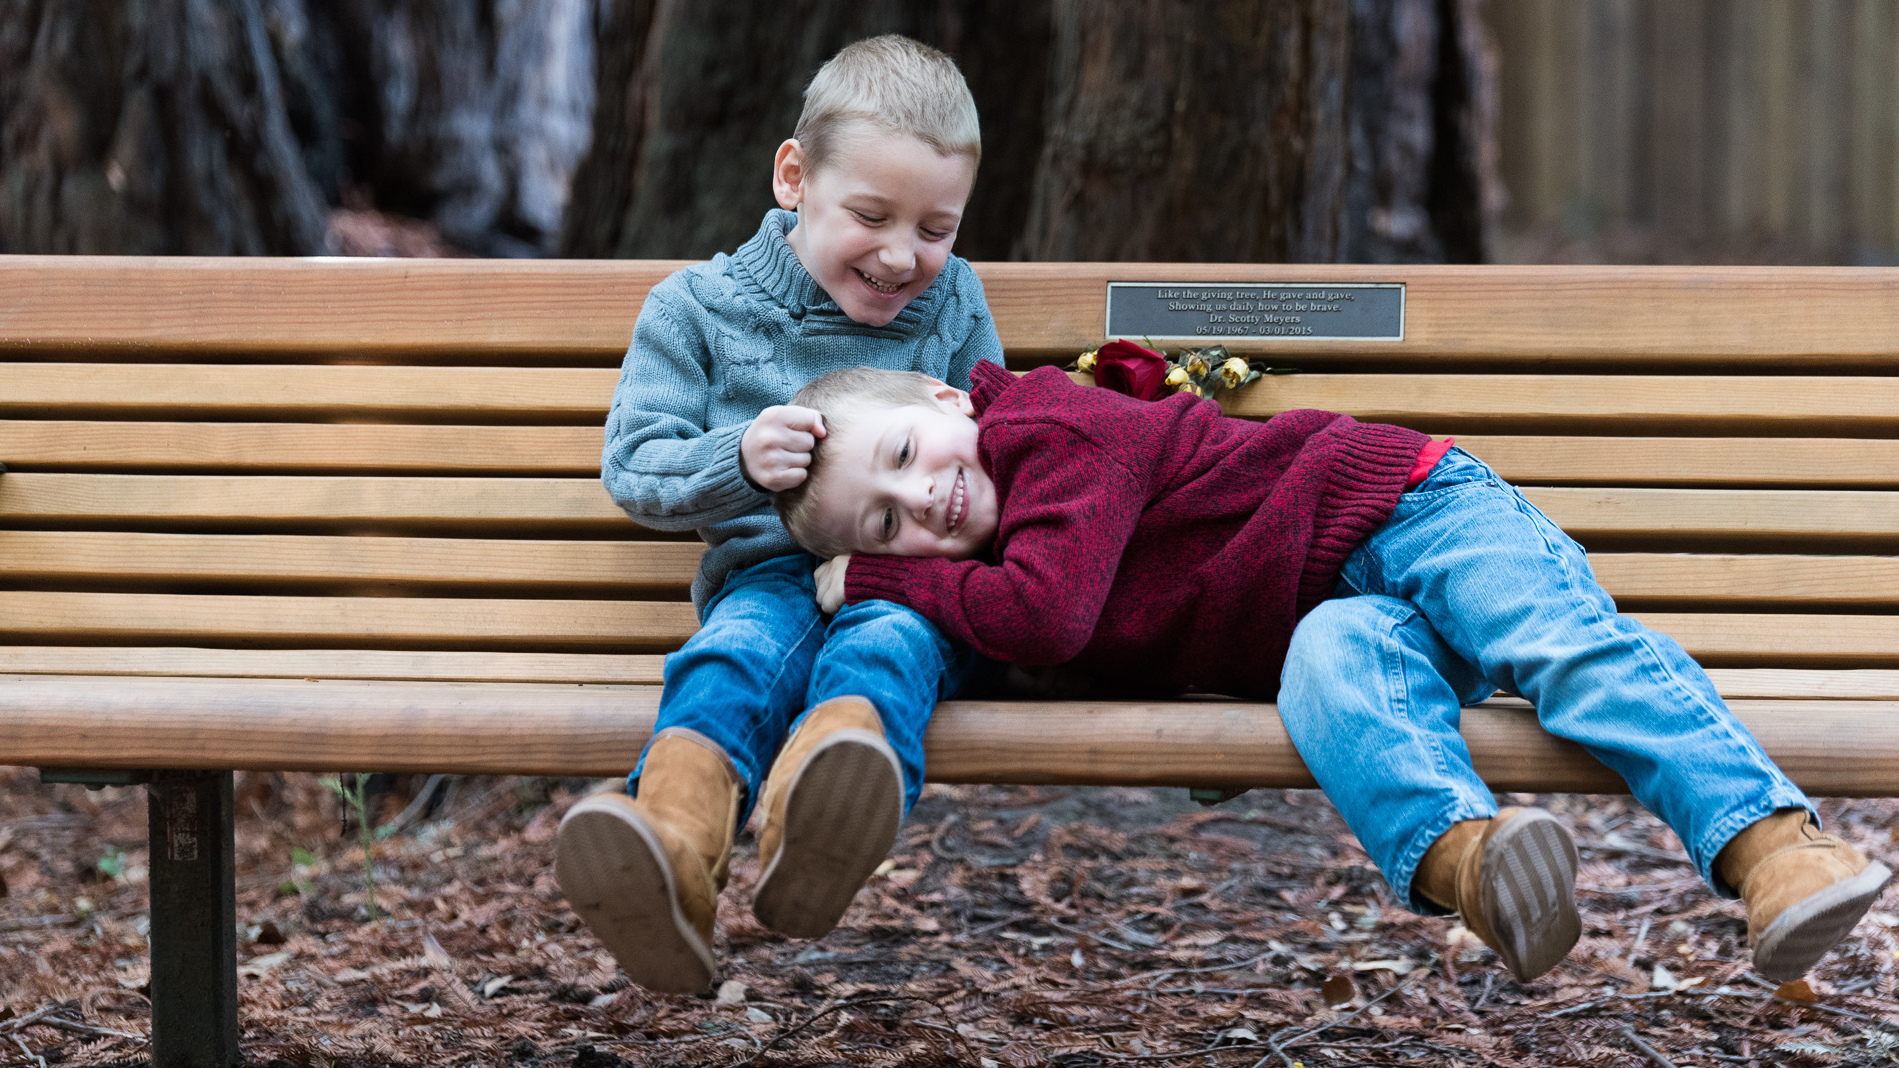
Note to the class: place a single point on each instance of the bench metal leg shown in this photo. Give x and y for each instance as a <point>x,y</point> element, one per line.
<point>193,920</point>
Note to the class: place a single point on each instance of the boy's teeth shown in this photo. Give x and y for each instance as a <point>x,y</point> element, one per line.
<point>881,287</point>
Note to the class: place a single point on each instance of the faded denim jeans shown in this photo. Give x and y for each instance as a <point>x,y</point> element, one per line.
<point>1468,589</point>
<point>764,655</point>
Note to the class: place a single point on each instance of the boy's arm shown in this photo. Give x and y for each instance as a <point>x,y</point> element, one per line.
<point>983,342</point>
<point>660,462</point>
<point>1039,603</point>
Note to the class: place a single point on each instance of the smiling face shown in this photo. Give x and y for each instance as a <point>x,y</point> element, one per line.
<point>876,221</point>
<point>907,481</point>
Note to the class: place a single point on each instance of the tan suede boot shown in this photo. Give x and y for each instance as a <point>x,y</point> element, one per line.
<point>645,873</point>
<point>832,804</point>
<point>1804,890</point>
<point>1513,881</point>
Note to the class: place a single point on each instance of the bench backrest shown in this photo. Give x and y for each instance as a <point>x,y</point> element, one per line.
<point>388,469</point>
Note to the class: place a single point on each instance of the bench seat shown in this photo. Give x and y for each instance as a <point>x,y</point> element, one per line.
<point>339,515</point>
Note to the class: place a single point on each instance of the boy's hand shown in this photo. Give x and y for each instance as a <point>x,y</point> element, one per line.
<point>830,576</point>
<point>776,448</point>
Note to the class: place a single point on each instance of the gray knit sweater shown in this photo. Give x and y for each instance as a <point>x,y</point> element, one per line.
<point>719,342</point>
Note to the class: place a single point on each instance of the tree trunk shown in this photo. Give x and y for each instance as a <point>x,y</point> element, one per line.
<point>471,114</point>
<point>1265,130</point>
<point>148,126</point>
<point>696,96</point>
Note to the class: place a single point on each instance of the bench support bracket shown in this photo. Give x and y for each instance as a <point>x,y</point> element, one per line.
<point>193,920</point>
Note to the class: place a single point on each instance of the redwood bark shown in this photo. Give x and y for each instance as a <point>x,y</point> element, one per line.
<point>1265,130</point>
<point>695,96</point>
<point>148,126</point>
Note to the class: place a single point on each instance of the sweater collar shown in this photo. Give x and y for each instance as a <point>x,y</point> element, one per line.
<point>776,273</point>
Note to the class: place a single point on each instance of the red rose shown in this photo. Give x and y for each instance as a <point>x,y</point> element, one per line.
<point>1128,368</point>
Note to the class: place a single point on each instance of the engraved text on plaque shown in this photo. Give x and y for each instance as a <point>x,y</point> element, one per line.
<point>1244,311</point>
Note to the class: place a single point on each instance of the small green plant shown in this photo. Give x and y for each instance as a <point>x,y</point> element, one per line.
<point>301,862</point>
<point>351,793</point>
<point>112,865</point>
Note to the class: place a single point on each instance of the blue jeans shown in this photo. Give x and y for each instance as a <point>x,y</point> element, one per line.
<point>764,655</point>
<point>1468,589</point>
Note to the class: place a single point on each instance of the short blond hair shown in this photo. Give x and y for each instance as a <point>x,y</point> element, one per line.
<point>897,85</point>
<point>839,395</point>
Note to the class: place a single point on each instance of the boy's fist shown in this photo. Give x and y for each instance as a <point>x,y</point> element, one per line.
<point>776,448</point>
<point>830,576</point>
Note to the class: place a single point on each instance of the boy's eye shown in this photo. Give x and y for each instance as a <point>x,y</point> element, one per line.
<point>903,454</point>
<point>936,235</point>
<point>890,523</point>
<point>871,219</point>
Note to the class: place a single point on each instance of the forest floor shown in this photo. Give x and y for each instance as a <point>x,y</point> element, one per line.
<point>1012,926</point>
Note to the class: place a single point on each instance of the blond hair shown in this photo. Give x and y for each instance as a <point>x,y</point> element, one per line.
<point>839,395</point>
<point>897,85</point>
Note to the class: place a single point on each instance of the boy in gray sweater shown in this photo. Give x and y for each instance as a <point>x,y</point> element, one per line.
<point>826,714</point>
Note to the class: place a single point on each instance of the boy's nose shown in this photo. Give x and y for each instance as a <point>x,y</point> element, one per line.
<point>919,495</point>
<point>898,255</point>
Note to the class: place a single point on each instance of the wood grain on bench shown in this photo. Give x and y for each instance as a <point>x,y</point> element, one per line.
<point>229,477</point>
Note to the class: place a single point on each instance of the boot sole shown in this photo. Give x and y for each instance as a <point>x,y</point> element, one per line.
<point>612,868</point>
<point>1808,928</point>
<point>841,815</point>
<point>1529,893</point>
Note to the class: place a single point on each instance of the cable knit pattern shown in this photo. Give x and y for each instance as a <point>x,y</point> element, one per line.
<point>1152,541</point>
<point>719,342</point>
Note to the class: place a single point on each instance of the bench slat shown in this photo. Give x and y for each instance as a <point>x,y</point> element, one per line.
<point>1571,403</point>
<point>79,445</point>
<point>602,567</point>
<point>1605,314</point>
<point>1864,684</point>
<point>1864,582</point>
<point>383,664</point>
<point>1812,405</point>
<point>1781,640</point>
<point>140,304</point>
<point>502,624</point>
<point>507,728</point>
<point>507,624</point>
<point>1870,684</point>
<point>551,505</point>
<point>1765,462</point>
<point>576,505</point>
<point>477,394</point>
<point>617,567</point>
<point>1815,516</point>
<point>341,448</point>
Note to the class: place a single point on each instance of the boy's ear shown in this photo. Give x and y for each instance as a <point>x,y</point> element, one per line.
<point>788,174</point>
<point>949,396</point>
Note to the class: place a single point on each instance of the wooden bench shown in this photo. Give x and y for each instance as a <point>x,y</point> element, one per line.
<point>337,515</point>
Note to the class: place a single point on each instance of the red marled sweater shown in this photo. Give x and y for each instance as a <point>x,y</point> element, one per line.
<point>1159,541</point>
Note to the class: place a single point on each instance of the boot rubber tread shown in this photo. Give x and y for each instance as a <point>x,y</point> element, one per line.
<point>1807,929</point>
<point>612,867</point>
<point>842,810</point>
<point>1529,893</point>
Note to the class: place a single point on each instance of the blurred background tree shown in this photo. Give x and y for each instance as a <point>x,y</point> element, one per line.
<point>1166,129</point>
<point>1347,130</point>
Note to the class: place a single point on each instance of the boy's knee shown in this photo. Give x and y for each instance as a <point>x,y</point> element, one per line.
<point>1337,642</point>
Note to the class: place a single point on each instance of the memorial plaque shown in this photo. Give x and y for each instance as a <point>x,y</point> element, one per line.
<point>1244,311</point>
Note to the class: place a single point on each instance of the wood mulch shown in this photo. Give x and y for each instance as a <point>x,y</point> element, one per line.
<point>1012,926</point>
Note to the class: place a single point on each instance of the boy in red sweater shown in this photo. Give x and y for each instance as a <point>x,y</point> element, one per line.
<point>1368,579</point>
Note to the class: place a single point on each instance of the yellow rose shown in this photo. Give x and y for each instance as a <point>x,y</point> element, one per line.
<point>1087,362</point>
<point>1197,364</point>
<point>1177,377</point>
<point>1234,371</point>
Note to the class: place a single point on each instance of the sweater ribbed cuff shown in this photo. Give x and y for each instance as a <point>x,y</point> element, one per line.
<point>878,578</point>
<point>725,476</point>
